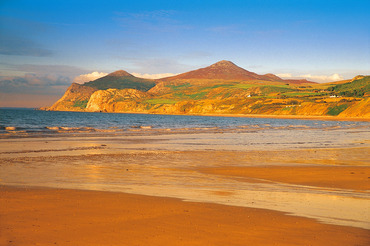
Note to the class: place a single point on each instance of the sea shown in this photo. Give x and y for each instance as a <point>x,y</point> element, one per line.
<point>34,122</point>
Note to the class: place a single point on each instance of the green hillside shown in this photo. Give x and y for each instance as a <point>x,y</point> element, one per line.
<point>356,88</point>
<point>117,81</point>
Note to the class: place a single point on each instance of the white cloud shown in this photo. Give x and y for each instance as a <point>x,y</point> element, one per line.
<point>315,78</point>
<point>323,78</point>
<point>284,75</point>
<point>88,77</point>
<point>153,76</point>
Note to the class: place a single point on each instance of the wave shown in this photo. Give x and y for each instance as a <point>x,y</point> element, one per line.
<point>10,128</point>
<point>70,129</point>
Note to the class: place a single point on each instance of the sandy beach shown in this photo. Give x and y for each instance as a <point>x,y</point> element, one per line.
<point>35,216</point>
<point>260,187</point>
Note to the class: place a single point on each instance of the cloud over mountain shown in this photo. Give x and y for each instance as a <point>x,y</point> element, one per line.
<point>316,78</point>
<point>323,78</point>
<point>153,76</point>
<point>88,77</point>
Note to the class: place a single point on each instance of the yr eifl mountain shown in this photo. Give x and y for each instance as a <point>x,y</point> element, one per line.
<point>221,88</point>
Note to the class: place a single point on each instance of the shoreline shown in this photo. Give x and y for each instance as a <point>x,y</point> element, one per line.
<point>295,117</point>
<point>46,216</point>
<point>298,117</point>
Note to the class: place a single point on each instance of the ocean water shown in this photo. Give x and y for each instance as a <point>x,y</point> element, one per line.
<point>35,121</point>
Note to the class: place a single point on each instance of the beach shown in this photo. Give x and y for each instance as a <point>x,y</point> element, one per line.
<point>40,216</point>
<point>155,123</point>
<point>249,185</point>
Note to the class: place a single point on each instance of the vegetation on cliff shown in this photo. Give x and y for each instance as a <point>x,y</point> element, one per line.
<point>222,88</point>
<point>355,88</point>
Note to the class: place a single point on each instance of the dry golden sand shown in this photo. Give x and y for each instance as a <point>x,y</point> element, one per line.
<point>38,216</point>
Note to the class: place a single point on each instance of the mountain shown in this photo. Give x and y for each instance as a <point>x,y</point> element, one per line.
<point>222,88</point>
<point>223,70</point>
<point>121,80</point>
<point>77,96</point>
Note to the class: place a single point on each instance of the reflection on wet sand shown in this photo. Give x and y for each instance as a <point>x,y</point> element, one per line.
<point>174,166</point>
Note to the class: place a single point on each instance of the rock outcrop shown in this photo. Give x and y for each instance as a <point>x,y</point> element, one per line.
<point>74,99</point>
<point>107,100</point>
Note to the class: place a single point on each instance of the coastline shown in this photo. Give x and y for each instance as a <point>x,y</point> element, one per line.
<point>46,216</point>
<point>297,117</point>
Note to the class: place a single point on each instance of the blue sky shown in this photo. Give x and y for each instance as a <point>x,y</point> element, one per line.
<point>45,45</point>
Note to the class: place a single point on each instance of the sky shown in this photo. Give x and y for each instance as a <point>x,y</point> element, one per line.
<point>46,45</point>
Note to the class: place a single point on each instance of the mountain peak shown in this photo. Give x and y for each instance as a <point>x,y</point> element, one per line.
<point>119,73</point>
<point>121,80</point>
<point>223,63</point>
<point>225,70</point>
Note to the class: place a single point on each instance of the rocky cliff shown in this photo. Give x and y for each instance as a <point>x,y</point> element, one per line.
<point>74,99</point>
<point>111,100</point>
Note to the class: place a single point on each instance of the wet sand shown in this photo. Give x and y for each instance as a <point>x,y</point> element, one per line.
<point>40,216</point>
<point>343,177</point>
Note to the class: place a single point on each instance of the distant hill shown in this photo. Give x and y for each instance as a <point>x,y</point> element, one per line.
<point>77,96</point>
<point>223,70</point>
<point>222,88</point>
<point>121,80</point>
